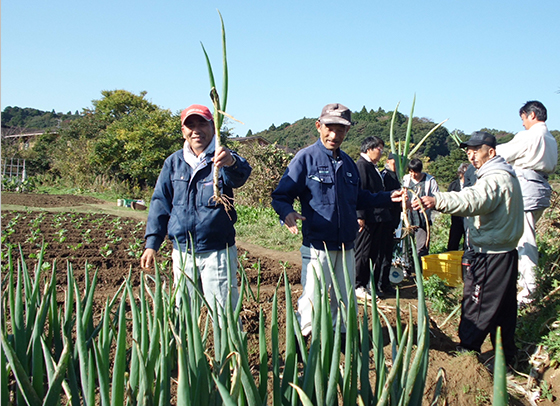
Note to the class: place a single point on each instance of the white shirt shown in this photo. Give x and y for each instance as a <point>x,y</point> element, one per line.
<point>191,158</point>
<point>534,149</point>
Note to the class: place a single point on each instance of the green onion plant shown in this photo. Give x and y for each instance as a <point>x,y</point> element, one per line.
<point>153,341</point>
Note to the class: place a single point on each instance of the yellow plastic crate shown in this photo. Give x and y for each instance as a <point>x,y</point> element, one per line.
<point>446,265</point>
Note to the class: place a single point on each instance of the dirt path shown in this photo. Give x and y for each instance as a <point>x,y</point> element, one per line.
<point>66,203</point>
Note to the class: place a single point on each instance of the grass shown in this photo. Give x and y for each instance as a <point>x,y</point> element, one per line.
<point>101,188</point>
<point>261,226</point>
<point>439,233</point>
<point>443,298</point>
<point>108,195</point>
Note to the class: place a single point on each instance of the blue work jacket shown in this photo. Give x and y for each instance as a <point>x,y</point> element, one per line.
<point>182,204</point>
<point>330,193</point>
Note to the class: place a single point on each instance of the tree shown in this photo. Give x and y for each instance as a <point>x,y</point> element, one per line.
<point>138,138</point>
<point>437,144</point>
<point>444,168</point>
<point>28,118</point>
<point>70,154</point>
<point>39,159</point>
<point>117,104</point>
<point>366,123</point>
<point>501,136</point>
<point>124,138</point>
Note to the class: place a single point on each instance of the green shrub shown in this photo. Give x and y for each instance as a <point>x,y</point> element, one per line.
<point>269,163</point>
<point>439,233</point>
<point>441,296</point>
<point>18,185</point>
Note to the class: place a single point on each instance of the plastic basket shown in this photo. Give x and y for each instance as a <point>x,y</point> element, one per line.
<point>446,265</point>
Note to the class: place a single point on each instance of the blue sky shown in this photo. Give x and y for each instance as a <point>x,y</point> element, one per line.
<point>473,62</point>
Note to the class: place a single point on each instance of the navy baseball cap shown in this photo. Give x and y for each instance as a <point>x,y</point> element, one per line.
<point>479,138</point>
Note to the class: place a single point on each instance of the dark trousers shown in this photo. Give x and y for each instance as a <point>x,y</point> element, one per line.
<point>369,246</point>
<point>489,301</point>
<point>456,232</point>
<point>386,255</point>
<point>422,243</point>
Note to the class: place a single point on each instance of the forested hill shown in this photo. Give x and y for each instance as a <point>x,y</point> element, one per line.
<point>366,123</point>
<point>27,119</point>
<point>126,138</point>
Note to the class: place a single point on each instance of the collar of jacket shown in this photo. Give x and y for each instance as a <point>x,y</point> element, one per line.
<point>365,156</point>
<point>329,152</point>
<point>194,160</point>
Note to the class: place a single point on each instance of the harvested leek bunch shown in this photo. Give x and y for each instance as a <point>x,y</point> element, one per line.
<point>219,113</point>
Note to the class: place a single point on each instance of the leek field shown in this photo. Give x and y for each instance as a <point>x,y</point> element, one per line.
<point>83,324</point>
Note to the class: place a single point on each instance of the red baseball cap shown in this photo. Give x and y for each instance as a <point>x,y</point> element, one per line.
<point>197,109</point>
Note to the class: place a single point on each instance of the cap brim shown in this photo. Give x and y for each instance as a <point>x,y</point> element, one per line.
<point>471,143</point>
<point>478,143</point>
<point>335,120</point>
<point>196,114</point>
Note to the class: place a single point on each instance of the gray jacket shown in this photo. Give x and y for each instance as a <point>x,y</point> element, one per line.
<point>494,206</point>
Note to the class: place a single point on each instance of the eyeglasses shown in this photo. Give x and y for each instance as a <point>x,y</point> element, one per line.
<point>380,149</point>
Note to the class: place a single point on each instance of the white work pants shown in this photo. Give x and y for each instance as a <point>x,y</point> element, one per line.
<point>212,274</point>
<point>528,256</point>
<point>314,260</point>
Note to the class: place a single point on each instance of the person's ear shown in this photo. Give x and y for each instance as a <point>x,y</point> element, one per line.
<point>318,125</point>
<point>532,116</point>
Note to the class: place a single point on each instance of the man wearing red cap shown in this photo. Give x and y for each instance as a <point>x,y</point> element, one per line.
<point>182,207</point>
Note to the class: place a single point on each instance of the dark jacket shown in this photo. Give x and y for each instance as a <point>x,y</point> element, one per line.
<point>370,179</point>
<point>455,186</point>
<point>183,206</point>
<point>330,193</point>
<point>391,181</point>
<point>470,176</point>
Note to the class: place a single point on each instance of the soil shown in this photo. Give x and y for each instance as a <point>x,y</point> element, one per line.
<point>113,246</point>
